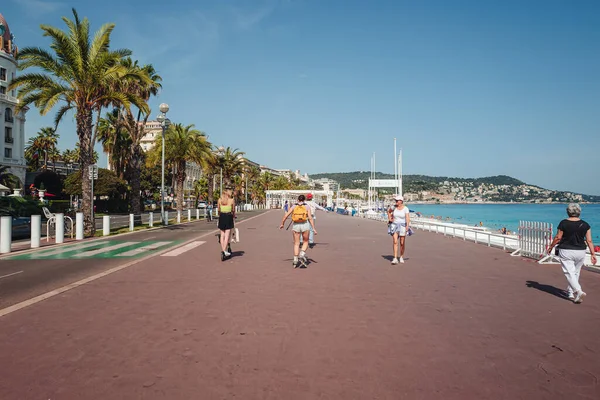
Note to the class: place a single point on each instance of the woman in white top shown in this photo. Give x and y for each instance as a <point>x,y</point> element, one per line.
<point>400,217</point>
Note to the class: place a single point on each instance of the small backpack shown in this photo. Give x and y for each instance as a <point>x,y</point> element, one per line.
<point>300,213</point>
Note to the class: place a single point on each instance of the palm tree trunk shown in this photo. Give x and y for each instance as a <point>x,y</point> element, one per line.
<point>211,179</point>
<point>135,180</point>
<point>180,178</point>
<point>84,133</point>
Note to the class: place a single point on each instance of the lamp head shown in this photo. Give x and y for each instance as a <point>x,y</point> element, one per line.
<point>161,118</point>
<point>164,108</point>
<point>167,122</point>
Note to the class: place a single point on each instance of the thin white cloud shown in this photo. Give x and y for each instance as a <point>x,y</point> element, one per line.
<point>302,76</point>
<point>39,7</point>
<point>245,20</point>
<point>176,40</point>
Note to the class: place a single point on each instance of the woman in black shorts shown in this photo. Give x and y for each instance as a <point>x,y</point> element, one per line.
<point>226,207</point>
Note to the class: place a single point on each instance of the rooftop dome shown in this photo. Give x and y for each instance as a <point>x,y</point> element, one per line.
<point>4,29</point>
<point>6,35</point>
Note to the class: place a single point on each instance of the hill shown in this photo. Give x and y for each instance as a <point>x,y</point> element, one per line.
<point>490,188</point>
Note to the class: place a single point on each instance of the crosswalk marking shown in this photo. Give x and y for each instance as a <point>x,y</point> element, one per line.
<point>61,249</point>
<point>142,249</point>
<point>183,249</point>
<point>104,249</point>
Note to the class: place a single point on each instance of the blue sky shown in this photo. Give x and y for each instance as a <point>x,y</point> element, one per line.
<point>470,88</point>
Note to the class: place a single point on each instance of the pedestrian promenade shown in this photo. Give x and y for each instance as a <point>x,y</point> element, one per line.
<point>458,320</point>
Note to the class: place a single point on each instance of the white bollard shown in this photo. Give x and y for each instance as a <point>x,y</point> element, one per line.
<point>60,228</point>
<point>189,215</point>
<point>131,222</point>
<point>166,221</point>
<point>178,217</point>
<point>79,226</point>
<point>36,231</point>
<point>5,234</point>
<point>105,225</point>
<point>197,213</point>
<point>151,220</point>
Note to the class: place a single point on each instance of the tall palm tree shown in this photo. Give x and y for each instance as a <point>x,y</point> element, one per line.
<point>182,144</point>
<point>134,124</point>
<point>83,73</point>
<point>232,162</point>
<point>210,167</point>
<point>116,142</point>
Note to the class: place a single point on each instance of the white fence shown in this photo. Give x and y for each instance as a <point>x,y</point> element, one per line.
<point>483,236</point>
<point>534,239</point>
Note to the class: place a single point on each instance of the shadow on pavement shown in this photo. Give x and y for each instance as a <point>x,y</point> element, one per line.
<point>548,289</point>
<point>237,253</point>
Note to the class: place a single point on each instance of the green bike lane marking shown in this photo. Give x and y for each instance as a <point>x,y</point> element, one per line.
<point>103,249</point>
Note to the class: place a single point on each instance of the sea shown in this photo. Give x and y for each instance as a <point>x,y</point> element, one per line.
<point>497,216</point>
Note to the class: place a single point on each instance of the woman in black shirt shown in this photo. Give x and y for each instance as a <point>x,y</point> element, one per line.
<point>572,236</point>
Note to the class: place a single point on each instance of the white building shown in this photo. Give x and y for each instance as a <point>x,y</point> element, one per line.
<point>12,147</point>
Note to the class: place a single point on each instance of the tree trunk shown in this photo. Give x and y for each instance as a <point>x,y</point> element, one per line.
<point>180,178</point>
<point>135,180</point>
<point>84,133</point>
<point>211,179</point>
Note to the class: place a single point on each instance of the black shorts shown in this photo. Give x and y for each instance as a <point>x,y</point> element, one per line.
<point>225,221</point>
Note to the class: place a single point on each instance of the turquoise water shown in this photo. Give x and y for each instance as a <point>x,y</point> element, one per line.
<point>496,216</point>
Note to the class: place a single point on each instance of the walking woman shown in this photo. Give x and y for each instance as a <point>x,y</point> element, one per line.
<point>302,223</point>
<point>572,236</point>
<point>226,207</point>
<point>399,218</point>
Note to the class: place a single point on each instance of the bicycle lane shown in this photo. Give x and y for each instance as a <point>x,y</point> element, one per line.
<point>25,275</point>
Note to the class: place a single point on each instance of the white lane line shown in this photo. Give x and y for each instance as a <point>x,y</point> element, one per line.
<point>55,292</point>
<point>183,249</point>
<point>6,276</point>
<point>143,249</point>
<point>104,249</point>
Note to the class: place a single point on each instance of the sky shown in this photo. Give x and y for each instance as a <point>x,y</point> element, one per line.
<point>469,88</point>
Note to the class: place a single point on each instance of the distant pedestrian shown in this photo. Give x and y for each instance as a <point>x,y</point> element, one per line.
<point>302,223</point>
<point>399,220</point>
<point>286,206</point>
<point>313,210</point>
<point>226,207</point>
<point>572,236</point>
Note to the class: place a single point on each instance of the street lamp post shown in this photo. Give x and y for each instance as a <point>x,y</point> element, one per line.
<point>164,123</point>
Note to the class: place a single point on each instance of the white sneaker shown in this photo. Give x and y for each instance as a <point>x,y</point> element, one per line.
<point>395,261</point>
<point>579,297</point>
<point>401,260</point>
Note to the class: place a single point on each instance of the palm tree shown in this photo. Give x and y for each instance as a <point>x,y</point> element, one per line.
<point>33,149</point>
<point>83,73</point>
<point>232,162</point>
<point>116,142</point>
<point>182,144</point>
<point>7,178</point>
<point>210,167</point>
<point>134,124</point>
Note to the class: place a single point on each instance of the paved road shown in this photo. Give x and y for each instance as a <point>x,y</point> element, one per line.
<point>457,321</point>
<point>23,276</point>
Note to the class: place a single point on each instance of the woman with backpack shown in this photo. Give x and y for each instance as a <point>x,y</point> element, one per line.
<point>399,219</point>
<point>302,222</point>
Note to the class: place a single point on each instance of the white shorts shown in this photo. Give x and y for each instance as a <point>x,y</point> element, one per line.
<point>301,227</point>
<point>401,231</point>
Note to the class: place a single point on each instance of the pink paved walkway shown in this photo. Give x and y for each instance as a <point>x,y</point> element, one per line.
<point>457,321</point>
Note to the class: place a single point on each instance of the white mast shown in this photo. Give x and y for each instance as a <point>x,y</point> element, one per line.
<point>395,164</point>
